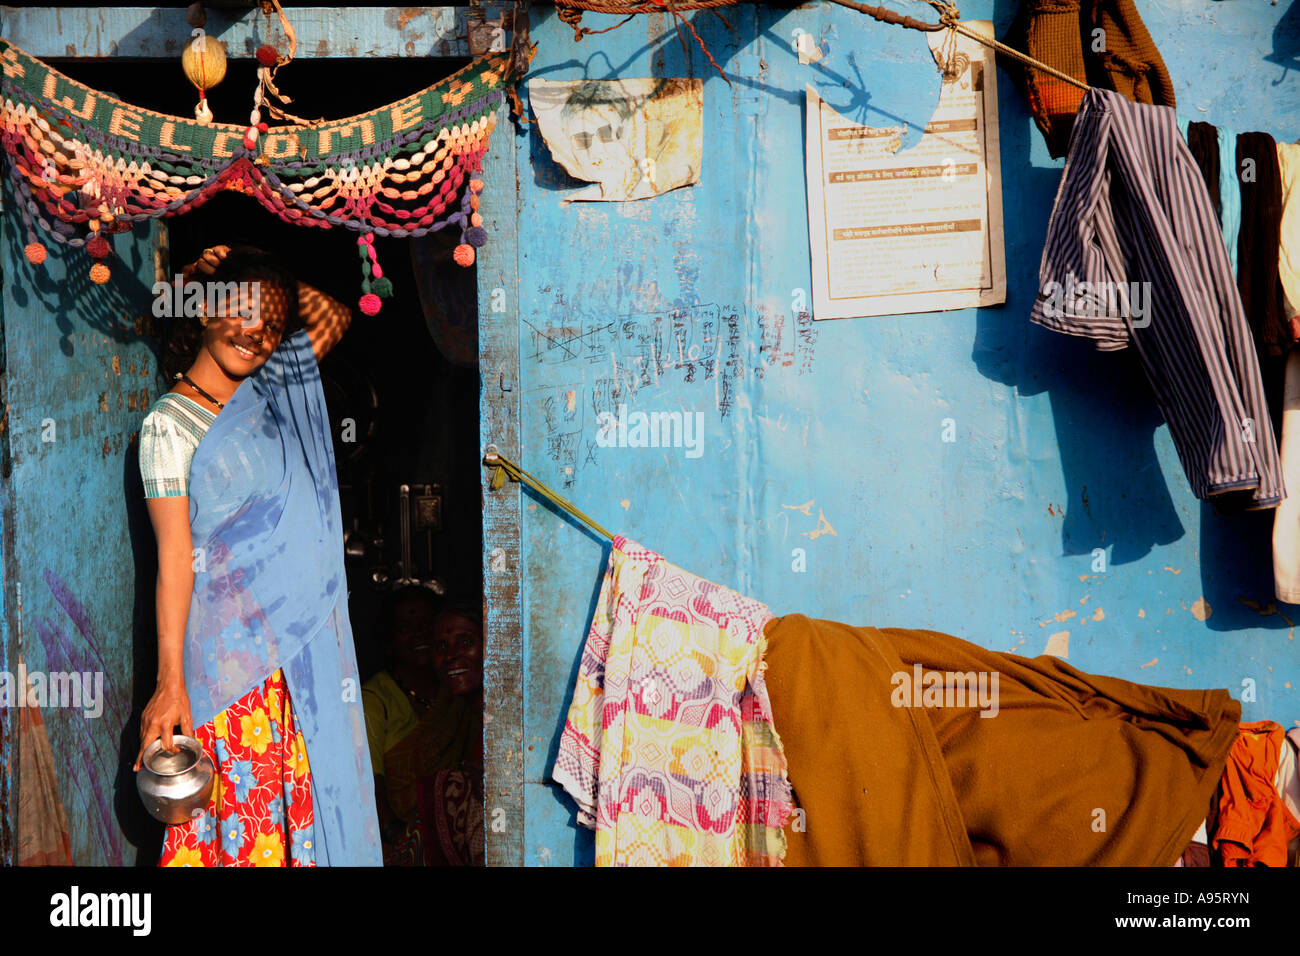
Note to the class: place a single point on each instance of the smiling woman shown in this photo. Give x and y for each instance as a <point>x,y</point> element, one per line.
<point>425,727</point>
<point>238,470</point>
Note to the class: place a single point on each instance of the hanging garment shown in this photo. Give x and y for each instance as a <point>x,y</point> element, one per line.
<point>1258,279</point>
<point>668,747</point>
<point>1203,143</point>
<point>271,591</point>
<point>1288,259</point>
<point>1286,521</point>
<point>261,809</point>
<point>1224,195</point>
<point>1254,824</point>
<point>1132,208</point>
<point>1229,195</point>
<point>893,761</point>
<point>1287,785</point>
<point>1064,34</point>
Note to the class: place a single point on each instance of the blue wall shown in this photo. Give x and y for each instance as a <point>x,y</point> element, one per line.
<point>827,436</point>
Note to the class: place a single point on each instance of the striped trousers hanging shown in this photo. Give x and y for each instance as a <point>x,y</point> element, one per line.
<point>1134,255</point>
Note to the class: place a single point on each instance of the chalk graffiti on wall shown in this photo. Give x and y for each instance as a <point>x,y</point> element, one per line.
<point>706,347</point>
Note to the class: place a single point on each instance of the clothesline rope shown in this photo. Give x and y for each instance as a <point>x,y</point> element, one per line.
<point>570,11</point>
<point>502,467</point>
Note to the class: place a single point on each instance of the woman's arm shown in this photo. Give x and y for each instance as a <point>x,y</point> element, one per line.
<point>324,317</point>
<point>170,704</point>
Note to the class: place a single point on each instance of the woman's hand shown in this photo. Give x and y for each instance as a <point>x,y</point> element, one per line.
<point>169,706</point>
<point>207,263</point>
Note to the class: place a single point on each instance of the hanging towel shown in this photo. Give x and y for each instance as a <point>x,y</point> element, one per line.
<point>1049,766</point>
<point>668,747</point>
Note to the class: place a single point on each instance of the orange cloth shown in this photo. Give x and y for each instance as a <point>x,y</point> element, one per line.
<point>1073,769</point>
<point>1254,825</point>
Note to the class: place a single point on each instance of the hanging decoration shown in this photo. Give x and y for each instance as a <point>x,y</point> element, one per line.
<point>204,63</point>
<point>83,163</point>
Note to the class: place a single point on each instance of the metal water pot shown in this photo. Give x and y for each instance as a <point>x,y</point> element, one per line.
<point>176,787</point>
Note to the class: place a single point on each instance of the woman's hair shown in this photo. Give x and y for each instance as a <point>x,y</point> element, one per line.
<point>465,607</point>
<point>242,264</point>
<point>387,622</point>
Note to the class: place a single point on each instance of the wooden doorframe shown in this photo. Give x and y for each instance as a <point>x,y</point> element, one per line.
<point>156,34</point>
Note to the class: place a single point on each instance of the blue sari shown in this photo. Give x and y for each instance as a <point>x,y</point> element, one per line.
<point>270,589</point>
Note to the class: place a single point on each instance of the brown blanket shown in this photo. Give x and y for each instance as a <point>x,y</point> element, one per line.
<point>894,766</point>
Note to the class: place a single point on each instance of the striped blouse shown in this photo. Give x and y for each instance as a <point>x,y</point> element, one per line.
<point>169,435</point>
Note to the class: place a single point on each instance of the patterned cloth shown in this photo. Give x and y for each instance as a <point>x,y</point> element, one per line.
<point>169,435</point>
<point>261,812</point>
<point>668,747</point>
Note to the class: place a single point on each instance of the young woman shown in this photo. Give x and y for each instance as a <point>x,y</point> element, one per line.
<point>254,641</point>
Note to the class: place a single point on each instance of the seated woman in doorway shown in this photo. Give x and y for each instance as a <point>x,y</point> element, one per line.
<point>254,641</point>
<point>424,718</point>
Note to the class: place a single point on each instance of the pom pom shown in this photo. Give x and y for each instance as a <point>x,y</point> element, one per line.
<point>476,235</point>
<point>464,255</point>
<point>35,253</point>
<point>370,304</point>
<point>99,273</point>
<point>98,247</point>
<point>382,288</point>
<point>266,55</point>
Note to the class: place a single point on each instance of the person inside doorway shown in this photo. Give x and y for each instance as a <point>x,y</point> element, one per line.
<point>424,720</point>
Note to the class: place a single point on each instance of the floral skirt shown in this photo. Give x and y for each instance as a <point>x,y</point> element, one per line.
<point>261,810</point>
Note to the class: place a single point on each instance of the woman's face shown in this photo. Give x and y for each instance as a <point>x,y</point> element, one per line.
<point>458,653</point>
<point>244,327</point>
<point>413,634</point>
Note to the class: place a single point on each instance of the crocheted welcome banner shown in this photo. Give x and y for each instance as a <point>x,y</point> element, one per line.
<point>83,162</point>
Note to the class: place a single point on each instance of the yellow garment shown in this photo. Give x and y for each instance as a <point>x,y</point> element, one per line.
<point>389,716</point>
<point>406,749</point>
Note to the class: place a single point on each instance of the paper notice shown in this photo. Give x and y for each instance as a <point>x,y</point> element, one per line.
<point>915,231</point>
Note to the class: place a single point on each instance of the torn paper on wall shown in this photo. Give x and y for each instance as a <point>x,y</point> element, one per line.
<point>629,138</point>
<point>918,230</point>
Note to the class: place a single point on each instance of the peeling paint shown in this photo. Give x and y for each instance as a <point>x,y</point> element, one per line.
<point>1201,609</point>
<point>1058,645</point>
<point>1151,663</point>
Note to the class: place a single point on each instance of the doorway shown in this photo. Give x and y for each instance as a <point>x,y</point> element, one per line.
<point>402,387</point>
